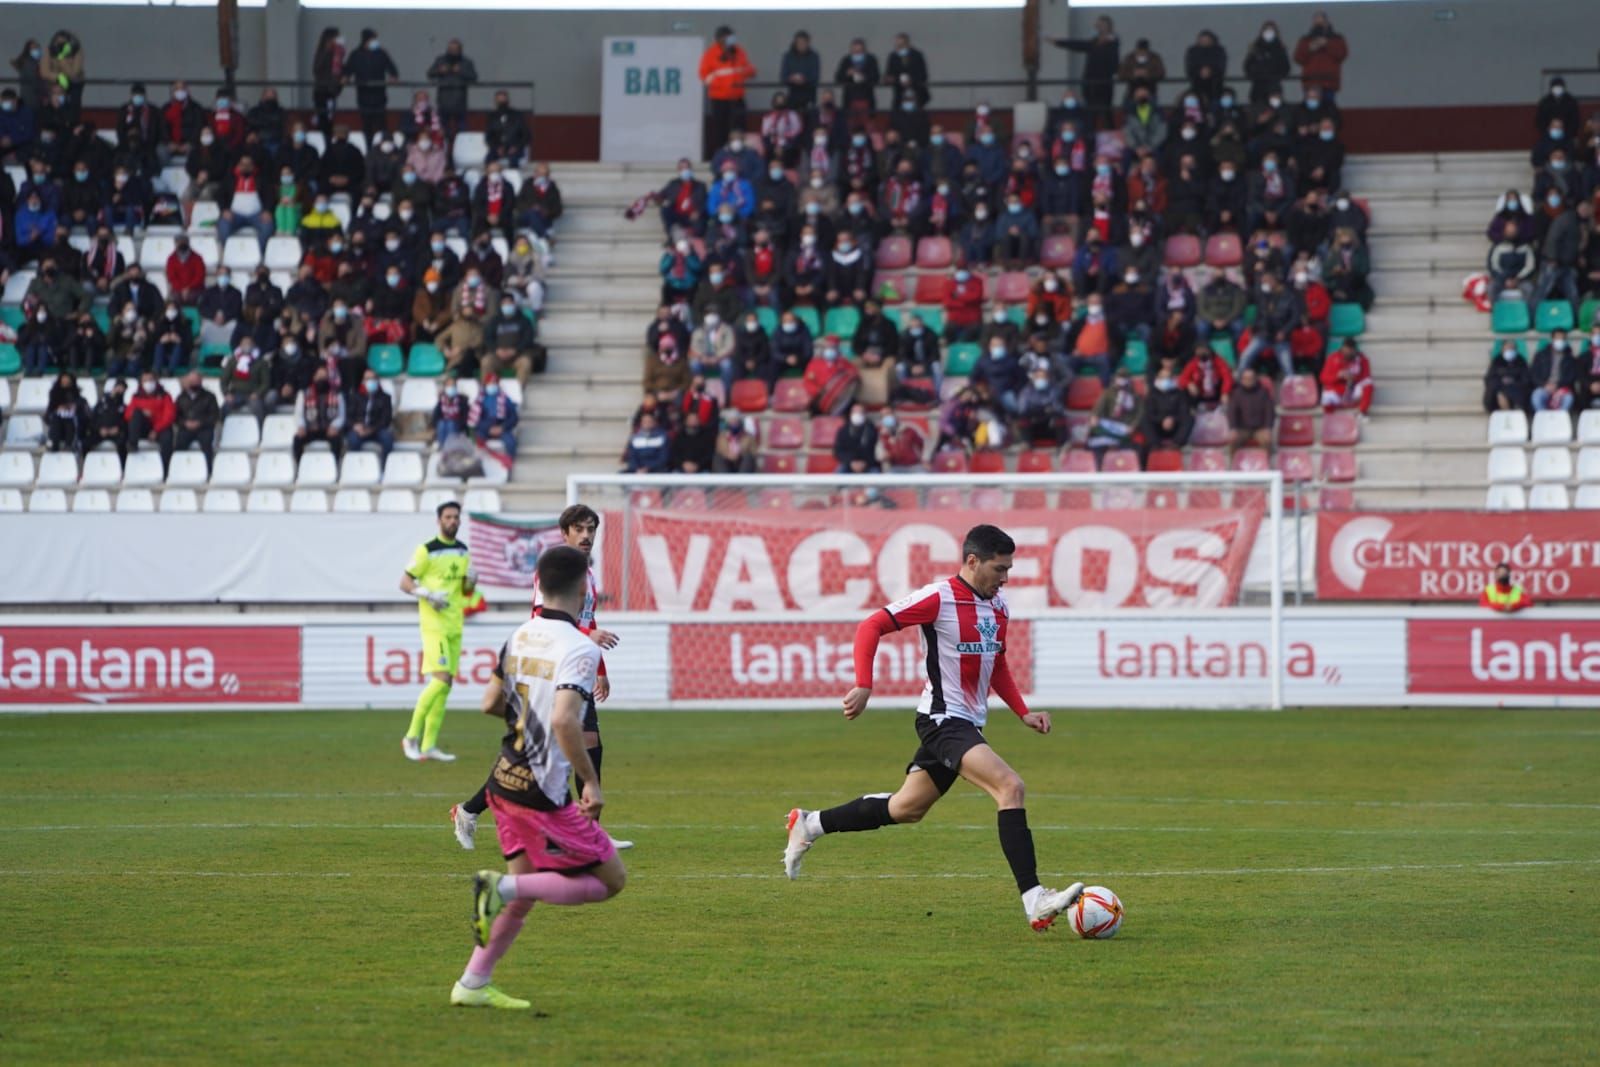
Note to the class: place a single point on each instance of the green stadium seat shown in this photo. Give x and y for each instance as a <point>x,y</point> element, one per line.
<point>1586,313</point>
<point>386,360</point>
<point>12,316</point>
<point>960,359</point>
<point>1135,356</point>
<point>102,317</point>
<point>211,358</point>
<point>1554,315</point>
<point>193,315</point>
<point>1509,316</point>
<point>842,321</point>
<point>768,317</point>
<point>426,361</point>
<point>932,318</point>
<point>533,318</point>
<point>1222,345</point>
<point>808,315</point>
<point>1017,314</point>
<point>10,361</point>
<point>1347,320</point>
<point>1250,315</point>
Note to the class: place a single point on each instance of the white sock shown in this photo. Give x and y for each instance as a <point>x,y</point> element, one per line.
<point>814,824</point>
<point>474,981</point>
<point>508,887</point>
<point>1031,897</point>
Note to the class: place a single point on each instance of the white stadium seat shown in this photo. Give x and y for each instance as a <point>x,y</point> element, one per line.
<point>1552,464</point>
<point>277,432</point>
<point>10,501</point>
<point>188,469</point>
<point>1588,498</point>
<point>265,501</point>
<point>58,470</point>
<point>360,470</point>
<point>205,246</point>
<point>418,394</point>
<point>174,179</point>
<point>274,470</point>
<point>143,469</point>
<point>1589,464</point>
<point>1506,498</point>
<point>358,141</point>
<point>1552,428</point>
<point>470,150</point>
<point>317,470</point>
<point>101,470</point>
<point>204,217</point>
<point>437,477</point>
<point>309,501</point>
<point>397,502</point>
<point>283,253</point>
<point>231,470</point>
<point>33,396</point>
<point>153,254</point>
<point>5,396</point>
<point>179,502</point>
<point>128,250</point>
<point>17,286</point>
<point>16,469</point>
<point>1508,428</point>
<point>352,500</point>
<point>140,501</point>
<point>242,252</point>
<point>96,501</point>
<point>432,498</point>
<point>90,391</point>
<point>24,431</point>
<point>1589,427</point>
<point>240,432</point>
<point>318,140</point>
<point>52,501</point>
<point>1507,465</point>
<point>482,501</point>
<point>1549,498</point>
<point>222,502</point>
<point>404,470</point>
<point>468,388</point>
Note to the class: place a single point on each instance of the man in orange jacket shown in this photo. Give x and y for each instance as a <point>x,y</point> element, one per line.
<point>724,69</point>
<point>1504,595</point>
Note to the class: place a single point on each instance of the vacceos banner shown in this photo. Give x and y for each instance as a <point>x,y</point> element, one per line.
<point>1448,555</point>
<point>773,561</point>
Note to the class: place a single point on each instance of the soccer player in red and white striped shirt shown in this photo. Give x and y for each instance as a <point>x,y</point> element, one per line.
<point>963,621</point>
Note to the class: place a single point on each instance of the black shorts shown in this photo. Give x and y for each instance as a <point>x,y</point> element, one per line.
<point>591,716</point>
<point>943,745</point>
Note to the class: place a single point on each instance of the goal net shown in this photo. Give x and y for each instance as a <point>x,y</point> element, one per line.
<point>1140,590</point>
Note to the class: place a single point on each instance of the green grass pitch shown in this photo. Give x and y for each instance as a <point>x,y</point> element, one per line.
<point>1306,887</point>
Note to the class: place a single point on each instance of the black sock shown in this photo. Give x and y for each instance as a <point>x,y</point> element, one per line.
<point>479,802</point>
<point>862,813</point>
<point>594,758</point>
<point>1016,841</point>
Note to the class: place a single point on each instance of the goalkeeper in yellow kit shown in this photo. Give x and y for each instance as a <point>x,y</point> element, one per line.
<point>440,577</point>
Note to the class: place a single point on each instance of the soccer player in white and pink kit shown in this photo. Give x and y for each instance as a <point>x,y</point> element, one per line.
<point>963,621</point>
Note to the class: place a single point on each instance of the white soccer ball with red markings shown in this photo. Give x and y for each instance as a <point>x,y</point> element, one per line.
<point>1098,913</point>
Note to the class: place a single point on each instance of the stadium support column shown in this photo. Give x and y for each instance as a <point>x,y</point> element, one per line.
<point>281,53</point>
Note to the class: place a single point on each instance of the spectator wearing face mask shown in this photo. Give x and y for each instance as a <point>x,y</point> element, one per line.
<point>725,67</point>
<point>1345,269</point>
<point>108,422</point>
<point>1205,64</point>
<point>1016,235</point>
<point>1100,68</point>
<point>733,191</point>
<point>858,76</point>
<point>220,306</point>
<point>1557,104</point>
<point>963,306</point>
<point>173,343</point>
<point>752,353</point>
<point>719,293</point>
<point>207,165</point>
<point>738,153</point>
<point>1321,157</point>
<point>247,199</point>
<point>197,413</point>
<point>342,337</point>
<point>471,306</point>
<point>1228,201</point>
<point>903,203</point>
<point>67,416</point>
<point>649,449</point>
<point>1512,262</point>
<point>829,380</point>
<point>1251,412</point>
<point>800,71</point>
<point>508,343</point>
<point>84,201</point>
<point>1272,194</point>
<point>1118,418</point>
<point>989,156</point>
<point>539,201</point>
<point>387,317</point>
<point>36,228</point>
<point>1556,137</point>
<point>877,378</point>
<point>1220,307</point>
<point>151,414</point>
<point>1266,64</point>
<point>907,70</point>
<point>453,73</point>
<point>762,266</point>
<point>1554,374</point>
<point>342,169</point>
<point>247,381</point>
<point>805,270</point>
<point>1508,382</point>
<point>1041,417</point>
<point>1206,378</point>
<point>129,343</point>
<point>1093,343</point>
<point>319,413</point>
<point>1168,412</point>
<point>1347,379</point>
<point>683,202</point>
<point>493,417</point>
<point>1143,68</point>
<point>449,416</point>
<point>430,308</point>
<point>371,418</point>
<point>39,337</point>
<point>1321,54</point>
<point>1278,311</point>
<point>371,69</point>
<point>855,448</point>
<point>1001,372</point>
<point>711,348</point>
<point>694,447</point>
<point>847,275</point>
<point>976,239</point>
<point>505,132</point>
<point>792,345</point>
<point>737,446</point>
<point>1130,305</point>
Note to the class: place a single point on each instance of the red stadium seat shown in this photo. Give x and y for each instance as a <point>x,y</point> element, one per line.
<point>1222,250</point>
<point>644,499</point>
<point>1032,140</point>
<point>1121,461</point>
<point>1110,143</point>
<point>1162,497</point>
<point>1012,288</point>
<point>1056,251</point>
<point>1299,393</point>
<point>934,253</point>
<point>950,461</point>
<point>1121,498</point>
<point>688,500</point>
<point>1339,466</point>
<point>1365,205</point>
<point>775,498</point>
<point>786,432</point>
<point>1084,393</point>
<point>1340,429</point>
<point>1078,461</point>
<point>894,253</point>
<point>1207,459</point>
<point>1183,250</point>
<point>988,461</point>
<point>931,288</point>
<point>821,463</point>
<point>1341,499</point>
<point>1296,431</point>
<point>1077,428</point>
<point>789,396</point>
<point>1035,461</point>
<point>824,428</point>
<point>1251,459</point>
<point>1295,463</point>
<point>944,498</point>
<point>895,285</point>
<point>749,395</point>
<point>714,391</point>
<point>988,499</point>
<point>779,464</point>
<point>1210,430</point>
<point>1030,499</point>
<point>1165,459</point>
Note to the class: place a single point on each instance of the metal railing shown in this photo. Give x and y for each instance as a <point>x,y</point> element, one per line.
<point>295,94</point>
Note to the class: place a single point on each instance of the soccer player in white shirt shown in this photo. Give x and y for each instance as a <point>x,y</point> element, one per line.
<point>963,621</point>
<point>555,850</point>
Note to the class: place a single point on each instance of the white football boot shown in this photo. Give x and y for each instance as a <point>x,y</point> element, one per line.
<point>799,843</point>
<point>438,755</point>
<point>411,748</point>
<point>465,823</point>
<point>1051,903</point>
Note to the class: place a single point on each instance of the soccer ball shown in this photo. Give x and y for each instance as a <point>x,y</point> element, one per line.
<point>1098,913</point>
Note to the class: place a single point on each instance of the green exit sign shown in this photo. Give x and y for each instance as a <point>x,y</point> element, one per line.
<point>622,48</point>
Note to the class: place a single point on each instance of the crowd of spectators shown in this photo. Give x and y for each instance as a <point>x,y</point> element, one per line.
<point>370,273</point>
<point>1149,246</point>
<point>1544,269</point>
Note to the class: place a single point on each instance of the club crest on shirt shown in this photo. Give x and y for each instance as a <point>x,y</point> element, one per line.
<point>989,631</point>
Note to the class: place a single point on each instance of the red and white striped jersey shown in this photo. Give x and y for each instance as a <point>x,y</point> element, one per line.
<point>586,617</point>
<point>962,634</point>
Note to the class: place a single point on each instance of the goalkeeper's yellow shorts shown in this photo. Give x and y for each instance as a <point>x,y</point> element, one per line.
<point>441,651</point>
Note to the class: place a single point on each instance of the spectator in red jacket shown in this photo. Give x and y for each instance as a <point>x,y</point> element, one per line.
<point>1321,53</point>
<point>1347,379</point>
<point>825,375</point>
<point>150,414</point>
<point>1207,379</point>
<point>963,306</point>
<point>186,273</point>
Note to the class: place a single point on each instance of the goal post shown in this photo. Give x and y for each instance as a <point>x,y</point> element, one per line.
<point>1161,589</point>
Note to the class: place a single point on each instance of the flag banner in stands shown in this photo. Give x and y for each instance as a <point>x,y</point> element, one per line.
<point>778,560</point>
<point>1448,555</point>
<point>1504,656</point>
<point>808,660</point>
<point>506,551</point>
<point>149,665</point>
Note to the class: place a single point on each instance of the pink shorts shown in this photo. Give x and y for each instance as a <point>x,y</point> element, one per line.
<point>561,840</point>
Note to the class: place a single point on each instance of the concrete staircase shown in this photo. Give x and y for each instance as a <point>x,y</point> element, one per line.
<point>1425,445</point>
